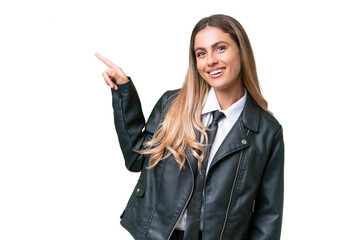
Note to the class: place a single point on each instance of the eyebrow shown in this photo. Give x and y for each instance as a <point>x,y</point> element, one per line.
<point>212,46</point>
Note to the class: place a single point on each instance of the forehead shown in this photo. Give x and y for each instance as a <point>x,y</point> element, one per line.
<point>210,35</point>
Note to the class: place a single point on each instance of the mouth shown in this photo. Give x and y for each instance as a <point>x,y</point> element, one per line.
<point>216,73</point>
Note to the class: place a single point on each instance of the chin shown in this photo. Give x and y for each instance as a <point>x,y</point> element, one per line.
<point>217,85</point>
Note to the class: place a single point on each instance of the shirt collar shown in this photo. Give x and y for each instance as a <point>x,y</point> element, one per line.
<point>232,113</point>
<point>211,102</point>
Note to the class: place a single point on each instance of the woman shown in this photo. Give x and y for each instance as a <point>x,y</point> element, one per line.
<point>203,177</point>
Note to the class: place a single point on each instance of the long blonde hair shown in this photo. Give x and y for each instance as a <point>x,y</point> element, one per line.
<point>177,131</point>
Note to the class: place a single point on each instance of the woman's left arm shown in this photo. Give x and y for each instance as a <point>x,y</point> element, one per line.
<point>267,216</point>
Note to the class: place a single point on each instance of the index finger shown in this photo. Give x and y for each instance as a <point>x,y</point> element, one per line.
<point>105,60</point>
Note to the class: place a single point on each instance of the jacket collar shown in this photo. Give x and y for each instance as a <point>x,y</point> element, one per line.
<point>250,115</point>
<point>249,119</point>
<point>237,138</point>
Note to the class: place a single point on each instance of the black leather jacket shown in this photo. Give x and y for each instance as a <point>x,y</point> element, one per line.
<point>244,186</point>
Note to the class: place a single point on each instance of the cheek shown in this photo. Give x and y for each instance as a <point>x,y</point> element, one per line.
<point>237,66</point>
<point>201,68</point>
<point>236,62</point>
<point>199,65</point>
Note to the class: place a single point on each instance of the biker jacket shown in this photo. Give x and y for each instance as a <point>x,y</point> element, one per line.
<point>243,193</point>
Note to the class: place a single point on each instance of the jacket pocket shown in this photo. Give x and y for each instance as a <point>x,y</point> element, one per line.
<point>139,189</point>
<point>138,211</point>
<point>252,210</point>
<point>137,195</point>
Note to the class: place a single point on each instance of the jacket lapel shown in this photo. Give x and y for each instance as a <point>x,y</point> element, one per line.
<point>237,138</point>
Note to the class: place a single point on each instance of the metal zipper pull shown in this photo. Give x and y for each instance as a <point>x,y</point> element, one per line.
<point>253,206</point>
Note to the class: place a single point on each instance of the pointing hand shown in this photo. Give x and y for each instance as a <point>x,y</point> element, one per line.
<point>114,74</point>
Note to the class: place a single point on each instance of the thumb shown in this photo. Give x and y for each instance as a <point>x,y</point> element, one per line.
<point>110,73</point>
<point>117,74</point>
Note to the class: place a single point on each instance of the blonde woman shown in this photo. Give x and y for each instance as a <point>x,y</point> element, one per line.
<point>211,155</point>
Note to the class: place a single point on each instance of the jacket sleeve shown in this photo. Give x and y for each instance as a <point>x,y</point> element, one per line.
<point>267,216</point>
<point>130,124</point>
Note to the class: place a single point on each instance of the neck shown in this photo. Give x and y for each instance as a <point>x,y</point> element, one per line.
<point>228,97</point>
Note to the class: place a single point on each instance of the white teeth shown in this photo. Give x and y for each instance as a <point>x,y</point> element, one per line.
<point>216,71</point>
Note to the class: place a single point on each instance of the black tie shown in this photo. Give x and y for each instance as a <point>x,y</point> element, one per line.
<point>192,227</point>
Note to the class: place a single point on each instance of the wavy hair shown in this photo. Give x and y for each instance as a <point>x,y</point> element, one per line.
<point>177,131</point>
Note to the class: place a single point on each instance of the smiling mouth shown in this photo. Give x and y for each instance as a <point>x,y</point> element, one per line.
<point>217,72</point>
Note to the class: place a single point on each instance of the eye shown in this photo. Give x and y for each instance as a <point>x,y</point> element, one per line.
<point>220,49</point>
<point>200,54</point>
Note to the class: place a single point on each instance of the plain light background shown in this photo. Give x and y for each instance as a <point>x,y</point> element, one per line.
<point>62,174</point>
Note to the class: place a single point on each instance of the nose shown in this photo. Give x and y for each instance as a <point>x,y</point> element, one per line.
<point>211,59</point>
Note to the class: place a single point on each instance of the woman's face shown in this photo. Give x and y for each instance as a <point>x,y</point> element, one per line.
<point>218,59</point>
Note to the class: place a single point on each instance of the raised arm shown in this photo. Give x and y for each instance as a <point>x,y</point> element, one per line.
<point>129,120</point>
<point>130,126</point>
<point>128,115</point>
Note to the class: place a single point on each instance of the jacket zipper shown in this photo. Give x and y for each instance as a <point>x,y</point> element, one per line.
<point>192,189</point>
<point>232,191</point>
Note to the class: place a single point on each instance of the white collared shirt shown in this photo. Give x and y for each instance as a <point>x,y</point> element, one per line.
<point>224,126</point>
